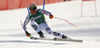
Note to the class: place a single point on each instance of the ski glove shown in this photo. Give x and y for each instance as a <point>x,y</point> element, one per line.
<point>28,34</point>
<point>51,16</point>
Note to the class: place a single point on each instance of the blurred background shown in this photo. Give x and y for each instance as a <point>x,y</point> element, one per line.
<point>15,4</point>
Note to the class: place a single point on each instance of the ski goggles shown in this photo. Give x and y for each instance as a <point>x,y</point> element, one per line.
<point>32,8</point>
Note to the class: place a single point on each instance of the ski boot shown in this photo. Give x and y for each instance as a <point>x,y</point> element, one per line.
<point>41,35</point>
<point>64,37</point>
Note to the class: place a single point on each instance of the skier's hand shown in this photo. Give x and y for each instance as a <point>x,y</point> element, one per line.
<point>28,34</point>
<point>51,16</point>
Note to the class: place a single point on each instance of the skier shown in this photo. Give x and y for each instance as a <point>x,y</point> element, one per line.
<point>38,23</point>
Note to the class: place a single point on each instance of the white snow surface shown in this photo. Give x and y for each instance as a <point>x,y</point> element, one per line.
<point>88,26</point>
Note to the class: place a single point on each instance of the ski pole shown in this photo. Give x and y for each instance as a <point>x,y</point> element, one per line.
<point>21,20</point>
<point>28,9</point>
<point>65,21</point>
<point>21,23</point>
<point>43,4</point>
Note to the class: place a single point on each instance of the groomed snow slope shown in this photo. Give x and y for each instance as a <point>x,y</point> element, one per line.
<point>88,26</point>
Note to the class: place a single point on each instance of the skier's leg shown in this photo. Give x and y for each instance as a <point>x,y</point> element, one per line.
<point>35,27</point>
<point>56,33</point>
<point>47,29</point>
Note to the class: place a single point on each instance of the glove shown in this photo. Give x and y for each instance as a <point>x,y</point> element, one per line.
<point>51,16</point>
<point>28,34</point>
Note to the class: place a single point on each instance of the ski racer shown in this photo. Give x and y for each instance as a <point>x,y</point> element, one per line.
<point>38,23</point>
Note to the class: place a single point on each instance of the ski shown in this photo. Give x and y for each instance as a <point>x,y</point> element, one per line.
<point>35,38</point>
<point>68,39</point>
<point>57,39</point>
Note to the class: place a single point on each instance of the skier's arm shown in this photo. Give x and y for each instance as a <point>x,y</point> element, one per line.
<point>24,26</point>
<point>25,23</point>
<point>46,13</point>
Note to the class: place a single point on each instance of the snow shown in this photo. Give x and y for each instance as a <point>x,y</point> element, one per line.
<point>88,26</point>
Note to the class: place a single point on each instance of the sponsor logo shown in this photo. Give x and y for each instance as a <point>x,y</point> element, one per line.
<point>34,18</point>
